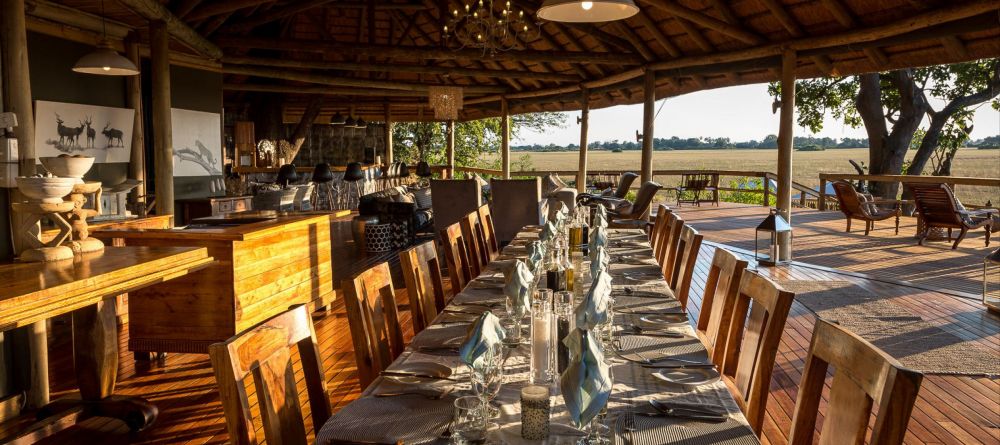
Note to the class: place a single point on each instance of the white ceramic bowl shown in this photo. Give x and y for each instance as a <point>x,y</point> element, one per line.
<point>48,190</point>
<point>67,166</point>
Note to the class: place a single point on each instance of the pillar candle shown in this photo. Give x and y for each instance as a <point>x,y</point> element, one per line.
<point>535,409</point>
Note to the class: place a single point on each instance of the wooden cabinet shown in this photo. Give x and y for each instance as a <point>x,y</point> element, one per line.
<point>261,269</point>
<point>189,209</point>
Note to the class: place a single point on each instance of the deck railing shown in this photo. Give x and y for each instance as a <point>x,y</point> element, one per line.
<point>952,181</point>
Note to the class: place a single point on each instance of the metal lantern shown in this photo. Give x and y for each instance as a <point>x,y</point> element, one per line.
<point>991,281</point>
<point>767,251</point>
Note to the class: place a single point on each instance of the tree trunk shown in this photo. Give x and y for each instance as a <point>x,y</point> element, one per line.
<point>305,124</point>
<point>887,150</point>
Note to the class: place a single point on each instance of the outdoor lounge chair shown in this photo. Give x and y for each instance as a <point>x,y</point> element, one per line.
<point>610,199</point>
<point>696,184</point>
<point>938,208</point>
<point>632,214</point>
<point>854,205</point>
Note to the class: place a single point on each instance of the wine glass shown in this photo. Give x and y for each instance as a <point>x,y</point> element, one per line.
<point>468,425</point>
<point>487,378</point>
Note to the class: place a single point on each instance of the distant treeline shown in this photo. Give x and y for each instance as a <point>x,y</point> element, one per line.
<point>709,143</point>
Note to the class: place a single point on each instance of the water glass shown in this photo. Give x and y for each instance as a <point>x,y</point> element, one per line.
<point>469,424</point>
<point>487,378</point>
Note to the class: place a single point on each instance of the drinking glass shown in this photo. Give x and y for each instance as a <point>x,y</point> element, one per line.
<point>487,378</point>
<point>513,327</point>
<point>469,424</point>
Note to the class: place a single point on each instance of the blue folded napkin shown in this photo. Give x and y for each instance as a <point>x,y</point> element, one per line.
<point>598,238</point>
<point>518,285</point>
<point>586,383</point>
<point>600,261</point>
<point>536,253</point>
<point>482,336</point>
<point>548,231</point>
<point>593,310</point>
<point>601,216</point>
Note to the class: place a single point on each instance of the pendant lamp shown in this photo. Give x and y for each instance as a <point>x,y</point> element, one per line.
<point>104,60</point>
<point>586,11</point>
<point>337,119</point>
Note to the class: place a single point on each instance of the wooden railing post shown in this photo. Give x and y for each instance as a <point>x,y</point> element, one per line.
<point>821,201</point>
<point>767,190</point>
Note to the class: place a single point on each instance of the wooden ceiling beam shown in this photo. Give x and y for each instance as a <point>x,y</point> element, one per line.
<point>660,38</point>
<point>273,16</point>
<point>421,52</point>
<point>155,11</point>
<point>709,22</point>
<point>725,11</point>
<point>389,67</point>
<point>636,42</point>
<point>214,23</point>
<point>337,81</point>
<point>795,30</point>
<point>218,8</point>
<point>847,19</point>
<point>184,7</point>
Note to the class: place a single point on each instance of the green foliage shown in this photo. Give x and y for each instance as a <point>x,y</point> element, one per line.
<point>810,147</point>
<point>744,193</point>
<point>413,141</point>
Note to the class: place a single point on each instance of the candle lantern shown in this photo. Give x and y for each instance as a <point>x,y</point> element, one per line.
<point>991,281</point>
<point>767,240</point>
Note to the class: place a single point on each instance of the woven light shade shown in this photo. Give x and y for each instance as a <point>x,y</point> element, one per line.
<point>446,101</point>
<point>105,61</point>
<point>586,11</point>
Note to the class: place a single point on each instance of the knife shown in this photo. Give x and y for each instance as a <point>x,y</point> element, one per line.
<point>413,374</point>
<point>692,416</point>
<point>681,366</point>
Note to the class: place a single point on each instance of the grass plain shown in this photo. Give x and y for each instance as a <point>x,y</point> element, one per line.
<point>807,165</point>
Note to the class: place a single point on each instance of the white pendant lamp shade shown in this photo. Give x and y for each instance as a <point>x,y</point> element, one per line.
<point>587,11</point>
<point>106,62</point>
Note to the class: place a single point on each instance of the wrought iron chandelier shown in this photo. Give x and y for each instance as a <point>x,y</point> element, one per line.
<point>482,26</point>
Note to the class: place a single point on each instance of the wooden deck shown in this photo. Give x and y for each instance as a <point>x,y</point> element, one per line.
<point>950,409</point>
<point>819,239</point>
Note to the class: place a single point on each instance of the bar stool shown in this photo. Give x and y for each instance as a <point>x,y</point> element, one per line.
<point>287,174</point>
<point>404,173</point>
<point>353,176</point>
<point>424,172</point>
<point>323,178</point>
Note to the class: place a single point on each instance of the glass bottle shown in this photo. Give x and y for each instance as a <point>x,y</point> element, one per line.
<point>567,266</point>
<point>563,321</point>
<point>555,273</point>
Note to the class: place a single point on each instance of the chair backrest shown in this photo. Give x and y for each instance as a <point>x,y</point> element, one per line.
<point>721,290</point>
<point>303,193</point>
<point>668,251</point>
<point>624,184</point>
<point>472,232</point>
<point>424,285</point>
<point>936,204</point>
<point>696,181</point>
<point>456,255</point>
<point>519,202</point>
<point>374,321</point>
<point>847,198</point>
<point>688,246</point>
<point>863,376</point>
<point>757,323</point>
<point>492,247</point>
<point>643,199</point>
<point>453,199</point>
<point>659,226</point>
<point>264,351</point>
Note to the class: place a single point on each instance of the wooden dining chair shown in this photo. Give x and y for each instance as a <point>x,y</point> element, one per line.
<point>374,321</point>
<point>863,376</point>
<point>471,230</point>
<point>722,287</point>
<point>490,241</point>
<point>688,246</point>
<point>667,256</point>
<point>757,323</point>
<point>424,284</point>
<point>657,231</point>
<point>456,256</point>
<point>265,352</point>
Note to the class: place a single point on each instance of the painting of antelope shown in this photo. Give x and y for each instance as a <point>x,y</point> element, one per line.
<point>102,132</point>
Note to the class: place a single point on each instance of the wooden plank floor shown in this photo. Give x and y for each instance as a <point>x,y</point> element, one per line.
<point>949,410</point>
<point>819,239</point>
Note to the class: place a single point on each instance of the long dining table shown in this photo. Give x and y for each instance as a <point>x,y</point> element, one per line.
<point>396,409</point>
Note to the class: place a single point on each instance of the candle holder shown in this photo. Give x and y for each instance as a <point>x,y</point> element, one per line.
<point>541,341</point>
<point>535,411</point>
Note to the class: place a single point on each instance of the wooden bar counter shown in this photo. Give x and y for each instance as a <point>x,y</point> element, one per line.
<point>262,268</point>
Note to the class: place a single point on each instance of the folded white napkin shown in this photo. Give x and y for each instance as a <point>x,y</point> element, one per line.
<point>598,238</point>
<point>594,308</point>
<point>586,383</point>
<point>482,336</point>
<point>548,231</point>
<point>600,261</point>
<point>518,285</point>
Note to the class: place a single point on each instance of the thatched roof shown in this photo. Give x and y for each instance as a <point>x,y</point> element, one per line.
<point>371,53</point>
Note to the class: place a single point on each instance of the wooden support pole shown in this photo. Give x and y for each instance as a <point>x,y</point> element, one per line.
<point>389,158</point>
<point>163,144</point>
<point>133,85</point>
<point>648,109</point>
<point>785,139</point>
<point>581,173</point>
<point>30,345</point>
<point>450,150</point>
<point>505,138</point>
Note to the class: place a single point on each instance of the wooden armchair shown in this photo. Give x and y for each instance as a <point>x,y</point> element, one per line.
<point>697,184</point>
<point>424,284</point>
<point>857,206</point>
<point>632,215</point>
<point>491,247</point>
<point>457,257</point>
<point>686,258</point>
<point>758,321</point>
<point>264,351</point>
<point>472,231</point>
<point>374,320</point>
<point>718,304</point>
<point>864,376</point>
<point>938,208</point>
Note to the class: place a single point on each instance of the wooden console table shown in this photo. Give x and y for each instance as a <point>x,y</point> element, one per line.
<point>262,268</point>
<point>189,209</point>
<point>85,287</point>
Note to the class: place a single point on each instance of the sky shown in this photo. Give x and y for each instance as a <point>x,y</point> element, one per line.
<point>740,113</point>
